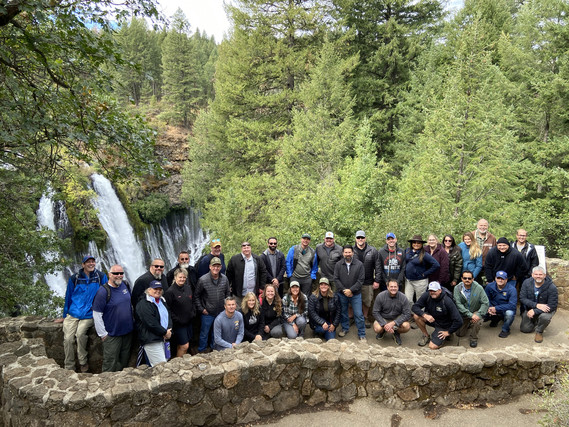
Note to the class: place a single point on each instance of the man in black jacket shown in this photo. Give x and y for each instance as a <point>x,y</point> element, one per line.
<point>368,255</point>
<point>183,262</point>
<point>540,297</point>
<point>275,265</point>
<point>349,277</point>
<point>155,272</point>
<point>246,273</point>
<point>504,258</point>
<point>436,309</point>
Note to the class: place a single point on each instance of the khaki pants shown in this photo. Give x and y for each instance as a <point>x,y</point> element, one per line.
<point>75,328</point>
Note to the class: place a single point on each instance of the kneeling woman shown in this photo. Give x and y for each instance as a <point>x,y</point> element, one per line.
<point>180,302</point>
<point>251,317</point>
<point>294,311</point>
<point>154,323</point>
<point>324,310</point>
<point>271,313</point>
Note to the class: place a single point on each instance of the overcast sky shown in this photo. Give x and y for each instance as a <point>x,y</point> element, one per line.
<point>209,15</point>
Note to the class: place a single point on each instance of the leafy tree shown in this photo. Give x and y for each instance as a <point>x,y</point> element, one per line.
<point>53,106</point>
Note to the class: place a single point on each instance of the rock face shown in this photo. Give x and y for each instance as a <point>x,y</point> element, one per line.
<point>253,380</point>
<point>172,146</point>
<point>558,269</point>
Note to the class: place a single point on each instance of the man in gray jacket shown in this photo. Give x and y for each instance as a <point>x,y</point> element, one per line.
<point>391,312</point>
<point>328,254</point>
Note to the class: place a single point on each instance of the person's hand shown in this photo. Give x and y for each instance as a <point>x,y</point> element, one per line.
<point>531,313</point>
<point>348,293</point>
<point>168,334</point>
<point>104,338</point>
<point>443,334</point>
<point>325,326</point>
<point>428,318</point>
<point>331,328</point>
<point>375,285</point>
<point>258,338</point>
<point>291,318</point>
<point>295,327</point>
<point>267,329</point>
<point>475,318</point>
<point>492,311</point>
<point>453,283</point>
<point>389,327</point>
<point>205,312</point>
<point>543,307</point>
<point>275,283</point>
<point>58,320</point>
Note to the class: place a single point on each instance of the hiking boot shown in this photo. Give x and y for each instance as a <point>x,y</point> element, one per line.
<point>538,337</point>
<point>397,338</point>
<point>424,340</point>
<point>362,338</point>
<point>503,334</point>
<point>342,334</point>
<point>473,343</point>
<point>380,335</point>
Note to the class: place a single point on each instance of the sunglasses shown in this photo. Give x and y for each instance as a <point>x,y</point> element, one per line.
<point>184,259</point>
<point>117,273</point>
<point>360,237</point>
<point>467,278</point>
<point>158,266</point>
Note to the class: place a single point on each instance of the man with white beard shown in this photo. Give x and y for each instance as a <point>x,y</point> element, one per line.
<point>155,272</point>
<point>184,262</point>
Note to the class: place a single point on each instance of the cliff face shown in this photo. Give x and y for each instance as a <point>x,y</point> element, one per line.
<point>172,146</point>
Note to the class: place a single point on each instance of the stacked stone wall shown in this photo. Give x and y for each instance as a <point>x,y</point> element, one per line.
<point>254,380</point>
<point>558,269</point>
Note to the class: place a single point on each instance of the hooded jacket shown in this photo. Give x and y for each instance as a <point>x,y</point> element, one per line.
<point>512,262</point>
<point>391,265</point>
<point>443,309</point>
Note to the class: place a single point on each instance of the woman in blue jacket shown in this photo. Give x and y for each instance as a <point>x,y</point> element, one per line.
<point>471,254</point>
<point>418,266</point>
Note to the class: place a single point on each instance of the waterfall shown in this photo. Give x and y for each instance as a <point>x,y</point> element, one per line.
<point>125,248</point>
<point>180,230</point>
<point>46,218</point>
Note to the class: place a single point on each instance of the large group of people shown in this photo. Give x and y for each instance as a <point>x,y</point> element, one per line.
<point>448,287</point>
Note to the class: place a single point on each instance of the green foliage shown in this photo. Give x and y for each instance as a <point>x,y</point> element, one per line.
<point>555,402</point>
<point>153,208</point>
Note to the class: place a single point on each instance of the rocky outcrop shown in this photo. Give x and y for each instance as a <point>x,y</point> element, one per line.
<point>558,269</point>
<point>255,380</point>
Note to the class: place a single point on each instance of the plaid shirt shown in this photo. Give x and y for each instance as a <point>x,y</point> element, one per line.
<point>290,307</point>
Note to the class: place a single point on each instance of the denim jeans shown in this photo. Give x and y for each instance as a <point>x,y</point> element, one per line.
<point>207,323</point>
<point>289,330</point>
<point>356,302</point>
<point>508,316</point>
<point>327,334</point>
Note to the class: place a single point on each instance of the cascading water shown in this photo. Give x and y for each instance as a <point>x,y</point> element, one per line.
<point>180,230</point>
<point>126,250</point>
<point>46,218</point>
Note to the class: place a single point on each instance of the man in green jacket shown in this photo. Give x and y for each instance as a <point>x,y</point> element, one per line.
<point>472,303</point>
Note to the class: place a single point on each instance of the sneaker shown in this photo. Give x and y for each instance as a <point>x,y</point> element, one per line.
<point>473,343</point>
<point>503,334</point>
<point>362,338</point>
<point>342,333</point>
<point>397,338</point>
<point>85,368</point>
<point>424,340</point>
<point>414,325</point>
<point>380,335</point>
<point>538,337</point>
<point>494,323</point>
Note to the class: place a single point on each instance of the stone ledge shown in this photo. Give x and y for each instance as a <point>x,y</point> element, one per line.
<point>255,380</point>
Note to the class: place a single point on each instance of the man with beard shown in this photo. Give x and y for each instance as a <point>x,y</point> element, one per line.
<point>78,312</point>
<point>539,296</point>
<point>349,277</point>
<point>202,266</point>
<point>275,265</point>
<point>183,262</point>
<point>368,256</point>
<point>392,312</point>
<point>328,254</point>
<point>485,239</point>
<point>246,272</point>
<point>112,313</point>
<point>504,258</point>
<point>155,272</point>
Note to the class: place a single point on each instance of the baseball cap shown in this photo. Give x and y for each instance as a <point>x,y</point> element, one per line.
<point>215,260</point>
<point>215,242</point>
<point>329,235</point>
<point>306,236</point>
<point>502,275</point>
<point>390,236</point>
<point>294,283</point>
<point>155,284</point>
<point>434,286</point>
<point>88,257</point>
<point>360,233</point>
<point>324,280</point>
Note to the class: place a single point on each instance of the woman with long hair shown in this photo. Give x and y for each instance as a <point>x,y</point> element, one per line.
<point>471,254</point>
<point>418,266</point>
<point>455,261</point>
<point>295,311</point>
<point>435,249</point>
<point>271,313</point>
<point>251,317</point>
<point>324,310</point>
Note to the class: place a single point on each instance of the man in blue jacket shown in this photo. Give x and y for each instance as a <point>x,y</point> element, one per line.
<point>503,299</point>
<point>539,296</point>
<point>78,312</point>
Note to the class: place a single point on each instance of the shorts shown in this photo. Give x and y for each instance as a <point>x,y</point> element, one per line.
<point>183,334</point>
<point>435,335</point>
<point>367,295</point>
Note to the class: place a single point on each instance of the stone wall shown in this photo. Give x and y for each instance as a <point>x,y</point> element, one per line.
<point>254,380</point>
<point>558,269</point>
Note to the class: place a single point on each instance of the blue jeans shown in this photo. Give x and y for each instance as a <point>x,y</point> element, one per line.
<point>356,302</point>
<point>327,335</point>
<point>508,316</point>
<point>207,323</point>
